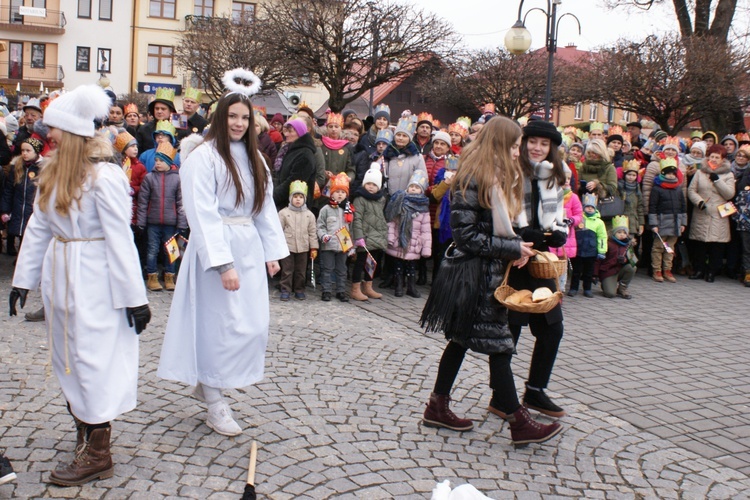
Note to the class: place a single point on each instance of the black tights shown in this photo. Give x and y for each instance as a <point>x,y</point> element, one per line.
<point>504,395</point>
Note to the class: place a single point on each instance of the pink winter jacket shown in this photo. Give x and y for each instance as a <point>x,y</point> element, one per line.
<point>573,210</point>
<point>420,244</point>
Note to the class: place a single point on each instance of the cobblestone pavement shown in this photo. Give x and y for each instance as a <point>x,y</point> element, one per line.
<point>656,389</point>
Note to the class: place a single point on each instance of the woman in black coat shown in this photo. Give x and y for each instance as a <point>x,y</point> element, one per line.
<point>544,226</point>
<point>485,198</point>
<point>298,163</point>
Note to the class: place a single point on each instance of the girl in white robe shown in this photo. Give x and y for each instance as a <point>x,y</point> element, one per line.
<point>218,323</point>
<point>79,246</point>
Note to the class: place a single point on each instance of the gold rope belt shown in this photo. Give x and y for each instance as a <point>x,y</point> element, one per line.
<point>65,242</point>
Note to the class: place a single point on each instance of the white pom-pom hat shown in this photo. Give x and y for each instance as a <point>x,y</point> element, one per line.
<point>76,111</point>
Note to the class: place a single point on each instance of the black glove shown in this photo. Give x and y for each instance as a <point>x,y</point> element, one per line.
<point>138,317</point>
<point>556,239</point>
<point>568,222</point>
<point>534,236</point>
<point>714,177</point>
<point>15,294</point>
<point>701,205</point>
<point>185,233</point>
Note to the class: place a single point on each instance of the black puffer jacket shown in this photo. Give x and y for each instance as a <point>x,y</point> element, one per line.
<point>298,165</point>
<point>18,198</point>
<point>472,233</point>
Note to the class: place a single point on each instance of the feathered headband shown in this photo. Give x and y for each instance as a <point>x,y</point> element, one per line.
<point>241,81</point>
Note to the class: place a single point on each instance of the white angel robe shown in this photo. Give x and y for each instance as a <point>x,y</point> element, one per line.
<point>214,336</point>
<point>94,281</point>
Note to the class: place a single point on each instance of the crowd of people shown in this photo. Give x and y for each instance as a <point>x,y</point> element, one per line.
<point>86,187</point>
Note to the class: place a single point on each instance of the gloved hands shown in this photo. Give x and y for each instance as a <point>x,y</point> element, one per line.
<point>15,294</point>
<point>326,238</point>
<point>568,222</point>
<point>185,232</point>
<point>138,317</point>
<point>601,256</point>
<point>360,242</point>
<point>314,253</point>
<point>714,177</point>
<point>701,205</point>
<point>556,239</point>
<point>534,236</point>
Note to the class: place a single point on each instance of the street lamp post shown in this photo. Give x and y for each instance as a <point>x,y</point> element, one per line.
<point>374,61</point>
<point>518,41</point>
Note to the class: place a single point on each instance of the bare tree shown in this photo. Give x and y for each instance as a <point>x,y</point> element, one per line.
<point>515,84</point>
<point>139,99</point>
<point>671,80</point>
<point>351,46</point>
<point>212,45</point>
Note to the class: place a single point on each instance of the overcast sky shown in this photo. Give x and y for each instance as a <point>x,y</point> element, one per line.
<point>484,23</point>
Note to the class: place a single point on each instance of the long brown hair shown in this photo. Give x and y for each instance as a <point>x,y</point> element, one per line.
<point>219,134</point>
<point>488,161</point>
<point>66,169</point>
<point>558,172</point>
<point>19,172</point>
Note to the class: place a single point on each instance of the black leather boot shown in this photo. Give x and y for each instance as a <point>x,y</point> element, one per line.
<point>411,279</point>
<point>422,272</point>
<point>398,277</point>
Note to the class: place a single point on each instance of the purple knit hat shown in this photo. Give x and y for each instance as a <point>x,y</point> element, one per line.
<point>298,125</point>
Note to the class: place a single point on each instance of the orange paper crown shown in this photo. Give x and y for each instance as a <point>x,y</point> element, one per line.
<point>742,137</point>
<point>167,150</point>
<point>335,119</point>
<point>674,141</point>
<point>615,130</point>
<point>457,128</point>
<point>424,116</point>
<point>626,136</point>
<point>131,108</point>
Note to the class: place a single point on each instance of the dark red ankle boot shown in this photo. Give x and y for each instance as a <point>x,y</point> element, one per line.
<point>438,414</point>
<point>525,430</point>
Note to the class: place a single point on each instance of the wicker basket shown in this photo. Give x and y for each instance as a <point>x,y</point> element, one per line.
<point>546,269</point>
<point>504,291</point>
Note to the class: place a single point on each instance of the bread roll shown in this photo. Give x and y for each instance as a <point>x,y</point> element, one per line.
<point>541,294</point>
<point>519,297</point>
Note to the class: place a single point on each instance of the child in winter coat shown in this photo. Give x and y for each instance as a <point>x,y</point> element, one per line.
<point>160,213</point>
<point>409,232</point>
<point>164,132</point>
<point>442,236</point>
<point>299,228</point>
<point>127,145</point>
<point>615,271</point>
<point>20,191</point>
<point>333,218</point>
<point>667,216</point>
<point>630,192</point>
<point>591,236</point>
<point>573,216</point>
<point>369,230</point>
<point>742,201</point>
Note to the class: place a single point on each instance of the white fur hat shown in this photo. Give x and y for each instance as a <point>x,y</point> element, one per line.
<point>75,111</point>
<point>373,175</point>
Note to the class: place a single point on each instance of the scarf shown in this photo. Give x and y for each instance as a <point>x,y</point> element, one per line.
<point>627,187</point>
<point>622,243</point>
<point>346,206</point>
<point>361,191</point>
<point>334,144</point>
<point>280,156</point>
<point>690,160</point>
<point>402,209</point>
<point>550,206</point>
<point>737,170</point>
<point>501,223</point>
<point>392,152</point>
<point>297,209</point>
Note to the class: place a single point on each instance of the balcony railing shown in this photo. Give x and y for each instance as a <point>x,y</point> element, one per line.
<point>12,19</point>
<point>50,74</point>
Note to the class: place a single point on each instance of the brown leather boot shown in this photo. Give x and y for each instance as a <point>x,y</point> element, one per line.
<point>438,414</point>
<point>93,461</point>
<point>169,281</point>
<point>153,283</point>
<point>357,292</point>
<point>525,430</point>
<point>668,276</point>
<point>369,291</point>
<point>658,277</point>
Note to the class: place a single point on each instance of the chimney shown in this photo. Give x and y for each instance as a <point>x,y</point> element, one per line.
<point>571,45</point>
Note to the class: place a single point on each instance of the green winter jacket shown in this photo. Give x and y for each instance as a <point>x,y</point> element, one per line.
<point>596,224</point>
<point>369,223</point>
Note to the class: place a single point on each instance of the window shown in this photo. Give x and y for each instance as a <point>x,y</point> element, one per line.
<point>593,111</point>
<point>38,55</point>
<point>84,9</point>
<point>162,8</point>
<point>243,11</point>
<point>610,112</point>
<point>403,96</point>
<point>160,59</point>
<point>105,10</point>
<point>104,60</point>
<point>578,111</point>
<point>203,8</point>
<point>626,116</point>
<point>40,4</point>
<point>15,15</point>
<point>83,56</point>
<point>15,61</point>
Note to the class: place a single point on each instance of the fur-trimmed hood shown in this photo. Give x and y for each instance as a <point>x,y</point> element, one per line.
<point>721,169</point>
<point>188,145</point>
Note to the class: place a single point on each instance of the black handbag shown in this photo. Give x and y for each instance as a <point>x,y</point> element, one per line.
<point>611,206</point>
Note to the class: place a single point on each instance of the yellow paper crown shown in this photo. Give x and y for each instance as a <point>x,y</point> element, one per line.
<point>298,187</point>
<point>335,119</point>
<point>165,94</point>
<point>193,94</point>
<point>165,126</point>
<point>571,129</point>
<point>696,134</point>
<point>596,126</point>
<point>630,166</point>
<point>667,163</point>
<point>615,130</point>
<point>620,222</point>
<point>464,121</point>
<point>424,116</point>
<point>123,141</point>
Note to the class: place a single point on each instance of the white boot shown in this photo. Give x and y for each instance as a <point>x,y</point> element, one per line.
<point>198,393</point>
<point>220,419</point>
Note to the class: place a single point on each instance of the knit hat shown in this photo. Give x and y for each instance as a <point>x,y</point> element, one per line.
<point>541,128</point>
<point>419,178</point>
<point>11,125</point>
<point>699,145</point>
<point>406,126</point>
<point>385,135</point>
<point>615,137</point>
<point>671,143</point>
<point>297,187</point>
<point>442,136</point>
<point>277,118</point>
<point>668,166</point>
<point>165,127</point>
<point>634,124</point>
<point>299,126</point>
<point>712,134</point>
<point>374,176</point>
<point>660,135</point>
<point>576,145</point>
<point>75,111</point>
<point>123,141</point>
<point>730,137</point>
<point>630,166</point>
<point>696,134</point>
<point>166,153</point>
<point>340,183</point>
<point>164,95</point>
<point>383,111</point>
<point>589,200</point>
<point>35,104</point>
<point>425,118</point>
<point>347,112</point>
<point>35,143</point>
<point>620,223</point>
